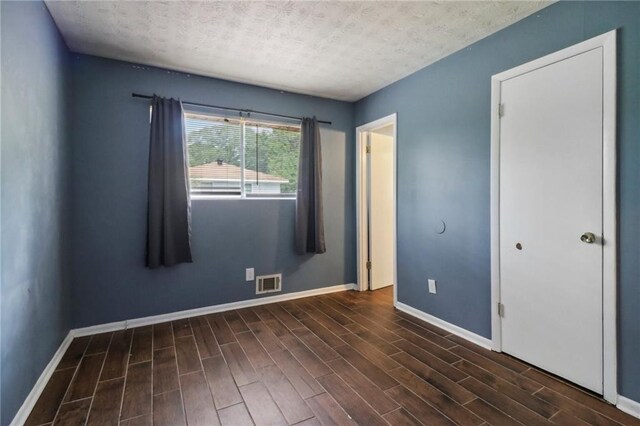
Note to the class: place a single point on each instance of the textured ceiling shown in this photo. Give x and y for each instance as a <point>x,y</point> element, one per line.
<point>334,49</point>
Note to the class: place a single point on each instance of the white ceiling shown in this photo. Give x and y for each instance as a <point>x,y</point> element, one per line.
<point>335,49</point>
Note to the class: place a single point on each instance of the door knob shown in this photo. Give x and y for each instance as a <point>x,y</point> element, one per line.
<point>588,237</point>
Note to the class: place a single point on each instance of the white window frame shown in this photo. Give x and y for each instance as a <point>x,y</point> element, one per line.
<point>243,193</point>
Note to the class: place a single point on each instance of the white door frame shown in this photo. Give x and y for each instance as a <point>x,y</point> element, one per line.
<point>361,200</point>
<point>607,42</point>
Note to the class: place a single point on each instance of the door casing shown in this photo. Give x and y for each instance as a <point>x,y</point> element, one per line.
<point>361,200</point>
<point>607,42</point>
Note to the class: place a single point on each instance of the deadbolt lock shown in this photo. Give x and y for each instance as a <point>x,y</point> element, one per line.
<point>588,237</point>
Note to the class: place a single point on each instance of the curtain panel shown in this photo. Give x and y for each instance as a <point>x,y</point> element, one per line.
<point>169,204</point>
<point>309,215</point>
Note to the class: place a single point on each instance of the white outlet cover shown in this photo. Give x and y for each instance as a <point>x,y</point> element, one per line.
<point>250,274</point>
<point>432,286</point>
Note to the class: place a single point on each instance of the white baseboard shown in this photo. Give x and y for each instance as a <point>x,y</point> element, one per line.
<point>454,329</point>
<point>629,406</point>
<point>28,404</point>
<point>155,319</point>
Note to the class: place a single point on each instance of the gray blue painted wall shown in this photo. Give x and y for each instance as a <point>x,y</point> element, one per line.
<point>443,166</point>
<point>111,132</point>
<point>35,207</point>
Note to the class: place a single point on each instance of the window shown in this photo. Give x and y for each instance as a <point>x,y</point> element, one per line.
<point>241,157</point>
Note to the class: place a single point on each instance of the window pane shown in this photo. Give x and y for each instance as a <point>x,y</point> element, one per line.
<point>214,147</point>
<point>271,159</point>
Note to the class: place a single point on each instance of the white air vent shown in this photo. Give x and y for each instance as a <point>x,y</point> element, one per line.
<point>268,283</point>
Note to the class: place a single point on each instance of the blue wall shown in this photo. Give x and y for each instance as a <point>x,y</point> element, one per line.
<point>444,163</point>
<point>35,209</point>
<point>111,133</point>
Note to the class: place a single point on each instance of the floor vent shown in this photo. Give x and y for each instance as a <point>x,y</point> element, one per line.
<point>268,283</point>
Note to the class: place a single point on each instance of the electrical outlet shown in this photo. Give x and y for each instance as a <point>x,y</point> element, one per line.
<point>250,274</point>
<point>432,286</point>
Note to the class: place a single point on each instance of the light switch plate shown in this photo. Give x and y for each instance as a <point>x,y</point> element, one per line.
<point>250,274</point>
<point>432,286</point>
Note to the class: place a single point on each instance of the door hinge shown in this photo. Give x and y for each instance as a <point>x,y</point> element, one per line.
<point>500,110</point>
<point>500,309</point>
<point>368,149</point>
<point>368,265</point>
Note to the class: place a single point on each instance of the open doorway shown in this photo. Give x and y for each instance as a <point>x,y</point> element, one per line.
<point>376,204</point>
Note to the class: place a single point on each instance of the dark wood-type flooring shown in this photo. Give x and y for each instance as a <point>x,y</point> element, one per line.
<point>343,358</point>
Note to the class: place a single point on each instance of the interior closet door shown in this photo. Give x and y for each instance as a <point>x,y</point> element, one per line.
<point>380,210</point>
<point>551,189</point>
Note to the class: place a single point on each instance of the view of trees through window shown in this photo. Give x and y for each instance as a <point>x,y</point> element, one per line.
<point>215,156</point>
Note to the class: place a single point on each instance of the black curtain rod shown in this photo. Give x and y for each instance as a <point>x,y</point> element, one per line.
<point>248,111</point>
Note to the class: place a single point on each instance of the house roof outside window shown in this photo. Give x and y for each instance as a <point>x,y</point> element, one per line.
<point>221,171</point>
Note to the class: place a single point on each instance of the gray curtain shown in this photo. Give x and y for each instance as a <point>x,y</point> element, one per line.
<point>169,205</point>
<point>309,216</point>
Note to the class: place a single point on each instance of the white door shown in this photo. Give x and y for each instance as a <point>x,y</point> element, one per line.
<point>551,189</point>
<point>380,210</point>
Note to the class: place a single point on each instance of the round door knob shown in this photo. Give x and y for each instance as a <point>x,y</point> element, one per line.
<point>588,237</point>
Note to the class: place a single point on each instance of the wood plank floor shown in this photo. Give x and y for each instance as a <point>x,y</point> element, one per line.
<point>343,358</point>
